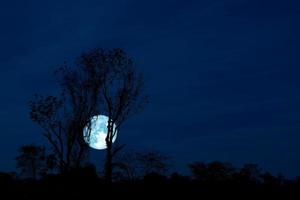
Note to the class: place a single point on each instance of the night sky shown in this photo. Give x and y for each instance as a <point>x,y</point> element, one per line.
<point>223,75</point>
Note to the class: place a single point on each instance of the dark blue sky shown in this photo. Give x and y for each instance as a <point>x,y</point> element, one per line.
<point>223,75</point>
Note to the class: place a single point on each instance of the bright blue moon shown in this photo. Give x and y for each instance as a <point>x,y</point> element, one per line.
<point>95,135</point>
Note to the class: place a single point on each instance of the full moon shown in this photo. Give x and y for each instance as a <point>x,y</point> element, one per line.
<point>95,135</point>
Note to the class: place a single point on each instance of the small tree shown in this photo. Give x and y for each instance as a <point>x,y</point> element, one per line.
<point>133,165</point>
<point>126,165</point>
<point>31,161</point>
<point>250,174</point>
<point>152,162</point>
<point>213,172</point>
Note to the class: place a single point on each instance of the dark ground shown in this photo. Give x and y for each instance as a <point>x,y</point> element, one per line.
<point>152,186</point>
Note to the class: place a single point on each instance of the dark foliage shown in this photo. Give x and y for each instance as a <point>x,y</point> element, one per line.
<point>83,183</point>
<point>33,161</point>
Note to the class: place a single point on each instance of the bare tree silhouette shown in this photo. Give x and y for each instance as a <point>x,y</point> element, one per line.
<point>63,118</point>
<point>122,93</point>
<point>102,81</point>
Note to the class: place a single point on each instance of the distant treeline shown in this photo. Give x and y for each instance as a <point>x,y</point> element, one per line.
<point>214,179</point>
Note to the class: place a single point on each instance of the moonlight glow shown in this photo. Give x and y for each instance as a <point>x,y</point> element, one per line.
<point>96,134</point>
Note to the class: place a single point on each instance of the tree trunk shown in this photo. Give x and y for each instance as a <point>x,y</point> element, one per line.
<point>108,164</point>
<point>109,154</point>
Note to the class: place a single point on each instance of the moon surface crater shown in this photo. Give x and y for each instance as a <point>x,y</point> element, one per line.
<point>95,133</point>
